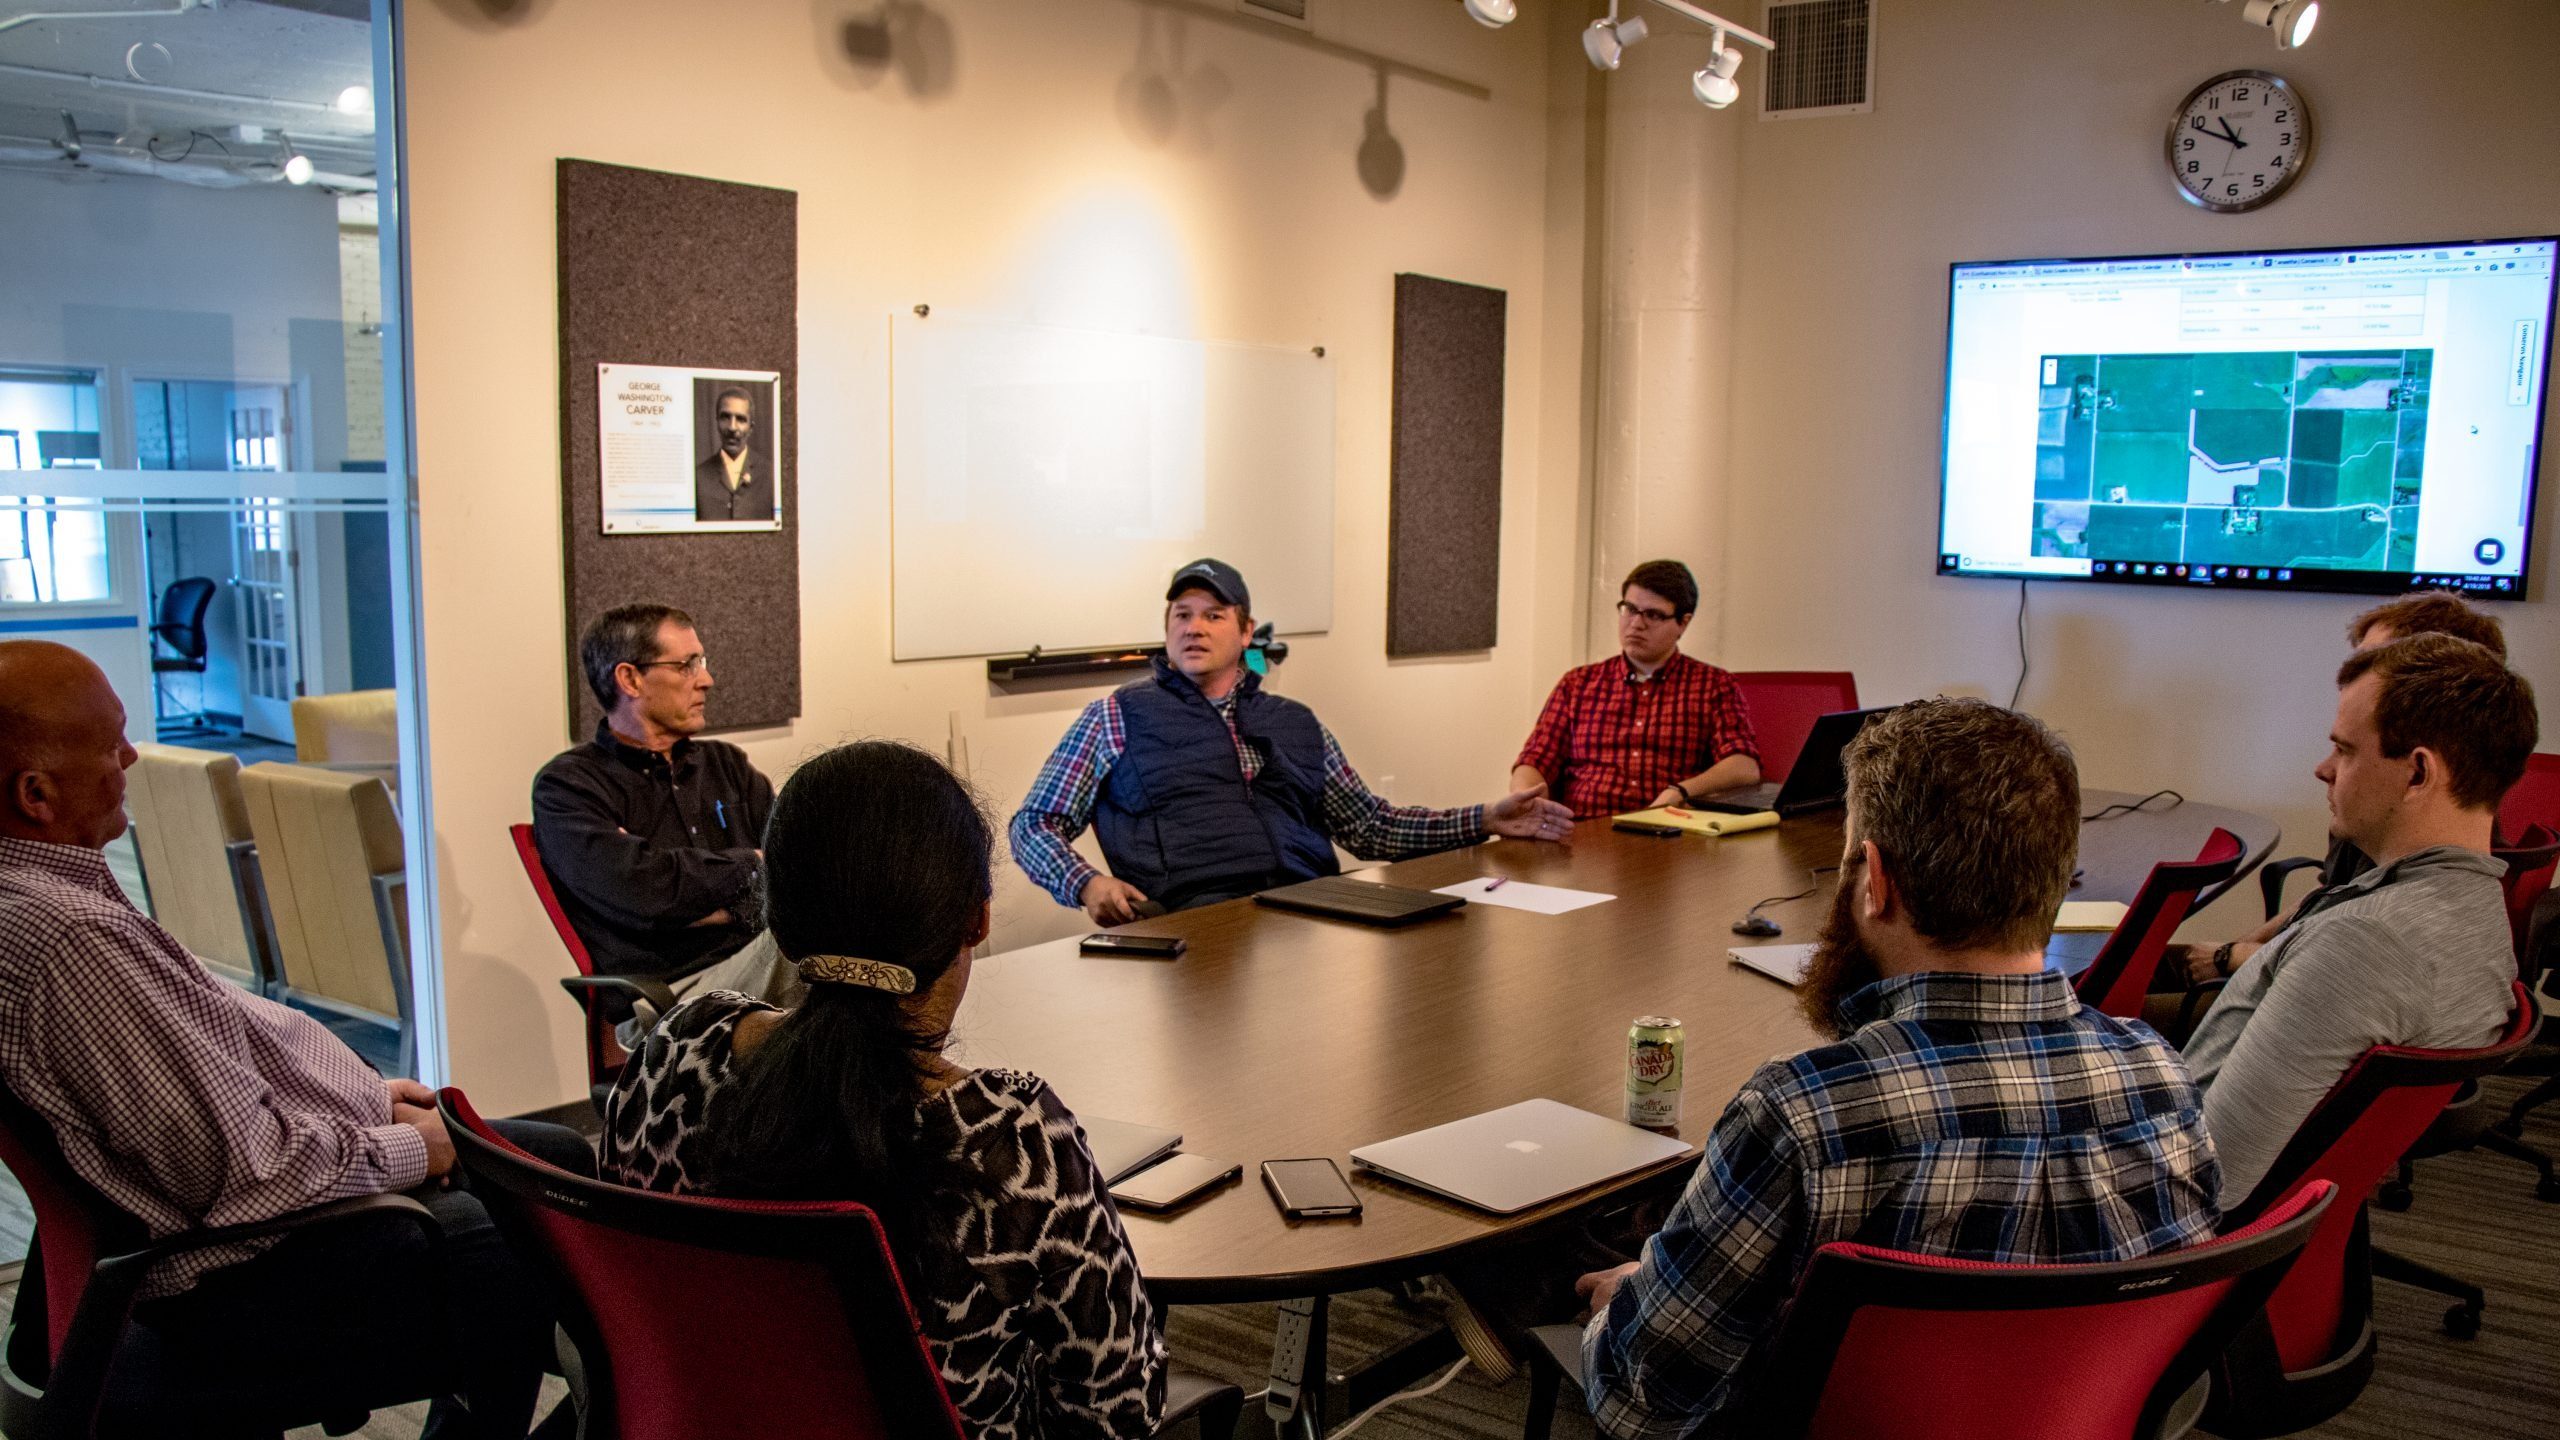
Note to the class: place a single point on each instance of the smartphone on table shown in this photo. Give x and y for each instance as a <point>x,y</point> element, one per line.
<point>1309,1189</point>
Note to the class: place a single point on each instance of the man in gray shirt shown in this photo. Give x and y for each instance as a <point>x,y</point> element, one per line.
<point>2429,734</point>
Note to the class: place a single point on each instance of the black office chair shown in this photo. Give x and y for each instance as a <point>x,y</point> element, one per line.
<point>181,628</point>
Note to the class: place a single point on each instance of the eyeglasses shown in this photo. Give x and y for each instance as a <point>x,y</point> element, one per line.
<point>1650,617</point>
<point>691,665</point>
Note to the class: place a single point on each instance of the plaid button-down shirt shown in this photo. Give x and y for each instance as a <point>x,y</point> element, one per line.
<point>1060,805</point>
<point>186,1102</point>
<point>1983,1117</point>
<point>1610,740</point>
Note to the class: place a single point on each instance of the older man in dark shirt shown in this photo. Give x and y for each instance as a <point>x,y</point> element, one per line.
<point>652,836</point>
<point>188,1103</point>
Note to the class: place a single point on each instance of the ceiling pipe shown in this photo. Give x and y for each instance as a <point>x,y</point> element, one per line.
<point>181,8</point>
<point>141,88</point>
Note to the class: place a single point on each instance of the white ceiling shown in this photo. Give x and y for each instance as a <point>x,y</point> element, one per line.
<point>274,63</point>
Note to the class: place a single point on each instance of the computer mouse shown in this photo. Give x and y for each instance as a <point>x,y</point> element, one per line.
<point>1760,925</point>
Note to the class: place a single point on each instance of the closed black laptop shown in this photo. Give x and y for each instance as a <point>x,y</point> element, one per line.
<point>1344,898</point>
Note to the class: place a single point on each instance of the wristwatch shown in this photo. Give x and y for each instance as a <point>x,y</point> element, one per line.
<point>2222,958</point>
<point>1685,797</point>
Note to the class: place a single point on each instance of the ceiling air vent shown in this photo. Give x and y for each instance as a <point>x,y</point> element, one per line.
<point>1285,12</point>
<point>1826,62</point>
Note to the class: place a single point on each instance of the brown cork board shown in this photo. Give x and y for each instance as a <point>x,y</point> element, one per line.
<point>1444,521</point>
<point>659,269</point>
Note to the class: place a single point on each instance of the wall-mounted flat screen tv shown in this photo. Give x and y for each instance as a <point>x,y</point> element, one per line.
<point>2342,419</point>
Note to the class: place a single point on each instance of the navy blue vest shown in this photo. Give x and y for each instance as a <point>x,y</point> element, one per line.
<point>1175,816</point>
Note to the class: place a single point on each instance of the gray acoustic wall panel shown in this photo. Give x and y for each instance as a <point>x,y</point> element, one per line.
<point>1444,525</point>
<point>659,269</point>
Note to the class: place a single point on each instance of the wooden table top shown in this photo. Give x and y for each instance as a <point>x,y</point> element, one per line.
<point>1282,1035</point>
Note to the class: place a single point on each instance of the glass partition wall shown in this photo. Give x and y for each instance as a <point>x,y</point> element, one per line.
<point>204,483</point>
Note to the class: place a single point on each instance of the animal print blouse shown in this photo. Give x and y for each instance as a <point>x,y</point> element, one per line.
<point>1054,1335</point>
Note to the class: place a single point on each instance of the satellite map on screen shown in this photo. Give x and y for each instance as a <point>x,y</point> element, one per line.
<point>2296,458</point>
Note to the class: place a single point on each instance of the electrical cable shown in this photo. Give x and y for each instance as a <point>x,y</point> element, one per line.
<point>2021,687</point>
<point>1814,874</point>
<point>2127,807</point>
<point>1398,1398</point>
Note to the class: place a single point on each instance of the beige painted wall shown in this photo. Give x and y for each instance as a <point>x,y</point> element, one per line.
<point>2007,129</point>
<point>1017,159</point>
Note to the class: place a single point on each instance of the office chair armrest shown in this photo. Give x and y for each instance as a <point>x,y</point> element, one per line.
<point>584,989</point>
<point>2273,874</point>
<point>114,1282</point>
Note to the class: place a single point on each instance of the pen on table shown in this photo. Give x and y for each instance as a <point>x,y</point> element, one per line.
<point>720,808</point>
<point>1496,883</point>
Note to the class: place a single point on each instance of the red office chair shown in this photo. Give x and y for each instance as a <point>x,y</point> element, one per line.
<point>1883,1342</point>
<point>84,1270</point>
<point>2117,980</point>
<point>1784,704</point>
<point>604,1054</point>
<point>2309,1355</point>
<point>2535,800</point>
<point>696,1318</point>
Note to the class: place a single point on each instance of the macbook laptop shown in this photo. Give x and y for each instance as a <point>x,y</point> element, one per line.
<point>1521,1155</point>
<point>1366,901</point>
<point>1121,1149</point>
<point>1817,781</point>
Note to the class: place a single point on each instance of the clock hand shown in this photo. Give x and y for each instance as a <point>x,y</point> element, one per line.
<point>2231,135</point>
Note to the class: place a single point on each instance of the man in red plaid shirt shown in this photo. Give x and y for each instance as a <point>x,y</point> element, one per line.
<point>1649,726</point>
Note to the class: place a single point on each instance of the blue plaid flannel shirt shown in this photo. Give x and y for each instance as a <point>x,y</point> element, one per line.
<point>1984,1117</point>
<point>1060,806</point>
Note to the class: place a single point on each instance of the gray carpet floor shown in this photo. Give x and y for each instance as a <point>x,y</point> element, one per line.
<point>2475,1215</point>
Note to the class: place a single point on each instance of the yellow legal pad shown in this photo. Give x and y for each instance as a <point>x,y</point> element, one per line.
<point>1704,822</point>
<point>2089,915</point>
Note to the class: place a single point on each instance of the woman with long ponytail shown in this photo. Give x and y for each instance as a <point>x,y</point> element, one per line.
<point>876,874</point>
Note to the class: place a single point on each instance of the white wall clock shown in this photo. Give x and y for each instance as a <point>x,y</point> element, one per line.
<point>2239,140</point>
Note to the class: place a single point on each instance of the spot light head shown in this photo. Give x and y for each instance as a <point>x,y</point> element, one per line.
<point>355,100</point>
<point>1493,14</point>
<point>1715,86</point>
<point>1607,39</point>
<point>2291,20</point>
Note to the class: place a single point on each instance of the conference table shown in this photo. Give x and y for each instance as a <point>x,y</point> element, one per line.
<point>1283,1035</point>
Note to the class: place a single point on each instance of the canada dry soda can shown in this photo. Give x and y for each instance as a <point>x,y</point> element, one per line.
<point>1653,1072</point>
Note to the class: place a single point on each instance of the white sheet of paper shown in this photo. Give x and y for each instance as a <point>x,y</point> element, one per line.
<point>1516,895</point>
<point>1782,963</point>
<point>2083,915</point>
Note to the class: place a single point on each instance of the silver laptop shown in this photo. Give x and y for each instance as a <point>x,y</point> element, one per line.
<point>1121,1149</point>
<point>1521,1155</point>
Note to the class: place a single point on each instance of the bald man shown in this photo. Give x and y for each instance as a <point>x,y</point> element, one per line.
<point>191,1104</point>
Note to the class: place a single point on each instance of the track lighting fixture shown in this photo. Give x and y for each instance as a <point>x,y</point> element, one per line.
<point>2291,20</point>
<point>297,166</point>
<point>1714,86</point>
<point>1493,14</point>
<point>1606,41</point>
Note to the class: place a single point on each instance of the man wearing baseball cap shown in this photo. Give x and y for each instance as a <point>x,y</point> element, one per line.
<point>1204,786</point>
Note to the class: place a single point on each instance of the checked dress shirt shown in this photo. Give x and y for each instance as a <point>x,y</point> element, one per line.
<point>1610,741</point>
<point>1982,1117</point>
<point>184,1101</point>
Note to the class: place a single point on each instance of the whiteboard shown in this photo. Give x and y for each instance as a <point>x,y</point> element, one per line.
<point>1047,482</point>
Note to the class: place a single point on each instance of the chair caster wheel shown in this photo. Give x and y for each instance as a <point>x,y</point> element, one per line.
<point>2511,1127</point>
<point>2548,1187</point>
<point>2395,1196</point>
<point>2462,1322</point>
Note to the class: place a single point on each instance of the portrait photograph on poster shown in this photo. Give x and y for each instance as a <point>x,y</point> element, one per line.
<point>689,450</point>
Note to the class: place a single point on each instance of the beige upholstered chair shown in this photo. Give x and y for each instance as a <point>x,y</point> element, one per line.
<point>191,830</point>
<point>359,727</point>
<point>329,847</point>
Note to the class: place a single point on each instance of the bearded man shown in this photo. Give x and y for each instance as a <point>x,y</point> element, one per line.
<point>1968,1105</point>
